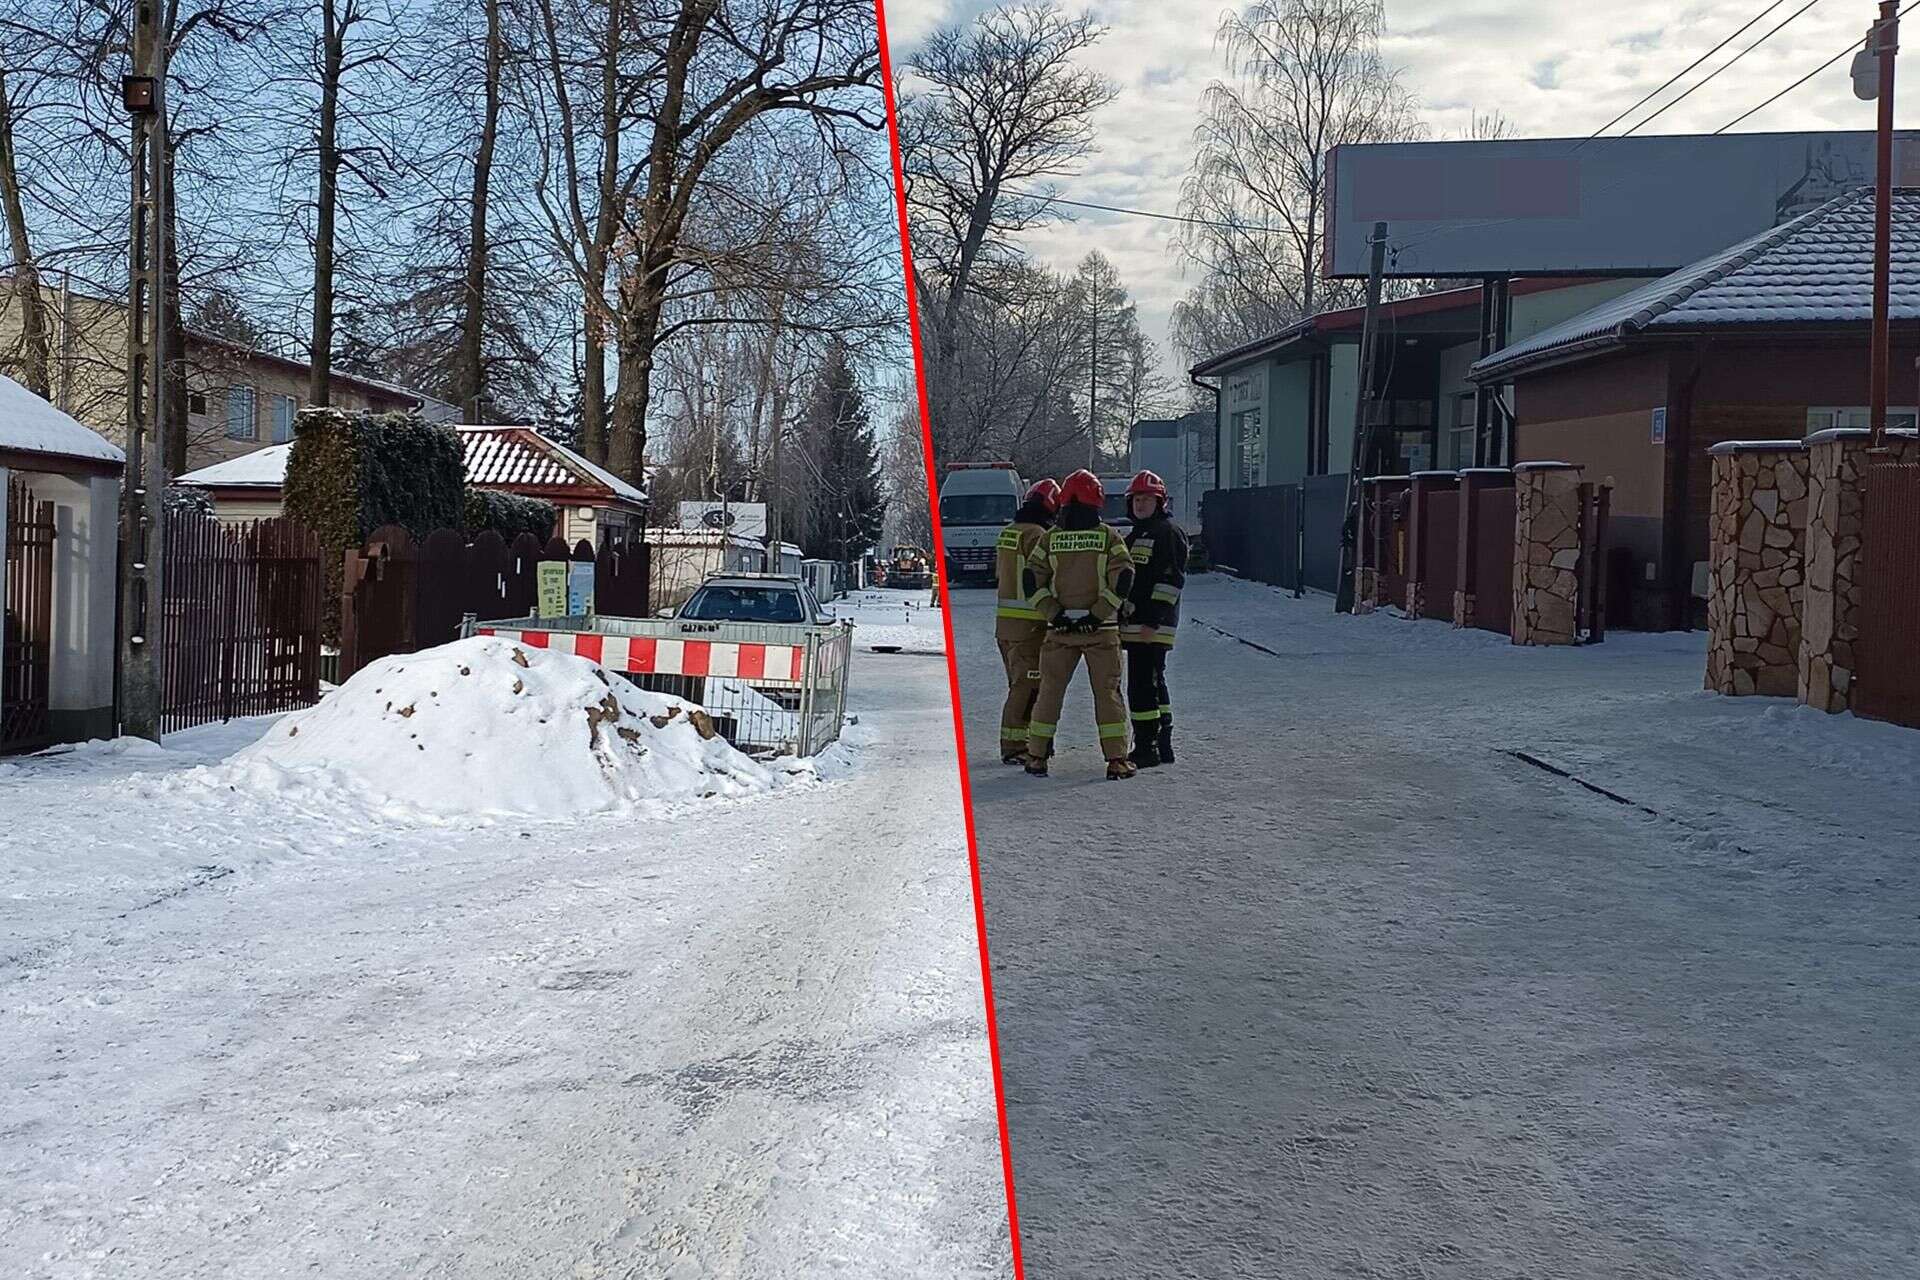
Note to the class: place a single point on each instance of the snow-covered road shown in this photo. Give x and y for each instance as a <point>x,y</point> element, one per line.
<point>1353,992</point>
<point>739,1038</point>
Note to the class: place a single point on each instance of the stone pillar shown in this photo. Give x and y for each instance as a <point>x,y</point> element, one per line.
<point>1836,499</point>
<point>1754,568</point>
<point>1546,552</point>
<point>1420,536</point>
<point>1473,482</point>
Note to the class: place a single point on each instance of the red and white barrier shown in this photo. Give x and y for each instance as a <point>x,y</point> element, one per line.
<point>646,655</point>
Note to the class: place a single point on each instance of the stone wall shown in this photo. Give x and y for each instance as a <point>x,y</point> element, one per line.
<point>1546,552</point>
<point>1755,583</point>
<point>1836,499</point>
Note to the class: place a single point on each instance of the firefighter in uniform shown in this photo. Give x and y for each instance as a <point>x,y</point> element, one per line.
<point>1159,550</point>
<point>1018,626</point>
<point>1081,574</point>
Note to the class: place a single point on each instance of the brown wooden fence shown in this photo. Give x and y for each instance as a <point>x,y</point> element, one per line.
<point>26,611</point>
<point>1491,547</point>
<point>1888,678</point>
<point>401,596</point>
<point>240,620</point>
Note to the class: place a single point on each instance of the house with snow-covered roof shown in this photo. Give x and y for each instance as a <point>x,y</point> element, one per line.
<point>59,523</point>
<point>594,505</point>
<point>1764,340</point>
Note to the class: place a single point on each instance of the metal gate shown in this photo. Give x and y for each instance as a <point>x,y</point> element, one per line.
<point>26,649</point>
<point>1888,679</point>
<point>240,622</point>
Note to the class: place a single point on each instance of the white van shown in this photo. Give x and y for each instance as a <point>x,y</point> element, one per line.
<point>977,501</point>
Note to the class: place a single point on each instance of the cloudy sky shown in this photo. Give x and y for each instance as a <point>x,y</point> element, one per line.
<point>1555,68</point>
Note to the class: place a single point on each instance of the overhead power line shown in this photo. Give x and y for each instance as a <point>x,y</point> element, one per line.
<point>1709,77</point>
<point>1810,75</point>
<point>1744,27</point>
<point>1147,213</point>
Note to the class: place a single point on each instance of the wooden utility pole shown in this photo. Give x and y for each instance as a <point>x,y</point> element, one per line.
<point>143,483</point>
<point>1362,431</point>
<point>1887,41</point>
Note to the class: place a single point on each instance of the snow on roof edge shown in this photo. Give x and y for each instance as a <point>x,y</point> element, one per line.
<point>32,424</point>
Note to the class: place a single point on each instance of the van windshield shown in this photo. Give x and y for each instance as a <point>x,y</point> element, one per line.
<point>977,508</point>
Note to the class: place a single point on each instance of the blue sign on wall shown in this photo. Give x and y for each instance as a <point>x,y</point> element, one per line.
<point>579,587</point>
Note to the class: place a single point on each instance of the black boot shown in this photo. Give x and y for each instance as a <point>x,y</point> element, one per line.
<point>1166,738</point>
<point>1011,754</point>
<point>1146,749</point>
<point>1037,766</point>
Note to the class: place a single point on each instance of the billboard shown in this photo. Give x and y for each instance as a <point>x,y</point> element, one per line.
<point>748,519</point>
<point>1574,206</point>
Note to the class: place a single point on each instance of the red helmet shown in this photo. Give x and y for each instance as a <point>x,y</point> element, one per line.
<point>1148,483</point>
<point>1084,488</point>
<point>1046,493</point>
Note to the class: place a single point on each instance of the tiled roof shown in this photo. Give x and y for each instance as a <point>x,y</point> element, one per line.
<point>1815,270</point>
<point>520,457</point>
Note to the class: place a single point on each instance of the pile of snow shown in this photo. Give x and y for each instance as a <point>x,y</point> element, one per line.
<point>489,727</point>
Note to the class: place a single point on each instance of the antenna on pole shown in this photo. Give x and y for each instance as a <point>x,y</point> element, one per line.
<point>143,484</point>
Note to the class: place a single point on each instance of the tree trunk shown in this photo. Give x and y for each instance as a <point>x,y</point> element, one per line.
<point>470,377</point>
<point>627,432</point>
<point>38,368</point>
<point>593,403</point>
<point>320,378</point>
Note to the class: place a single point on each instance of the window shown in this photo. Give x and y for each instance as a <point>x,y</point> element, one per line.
<point>977,508</point>
<point>284,407</point>
<point>1249,449</point>
<point>1460,434</point>
<point>197,403</point>
<point>1858,416</point>
<point>240,414</point>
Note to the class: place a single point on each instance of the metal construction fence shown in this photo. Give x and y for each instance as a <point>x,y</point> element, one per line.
<point>770,688</point>
<point>240,619</point>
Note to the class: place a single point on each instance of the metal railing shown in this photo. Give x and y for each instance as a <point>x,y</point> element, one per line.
<point>770,688</point>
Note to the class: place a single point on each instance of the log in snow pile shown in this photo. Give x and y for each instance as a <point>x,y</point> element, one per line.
<point>489,727</point>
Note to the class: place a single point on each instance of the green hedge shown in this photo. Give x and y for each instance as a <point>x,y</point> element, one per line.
<point>509,514</point>
<point>350,473</point>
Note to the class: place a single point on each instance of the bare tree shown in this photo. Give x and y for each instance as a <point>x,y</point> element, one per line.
<point>1308,76</point>
<point>37,362</point>
<point>997,105</point>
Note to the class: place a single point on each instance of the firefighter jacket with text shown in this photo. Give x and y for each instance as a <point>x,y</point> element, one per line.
<point>1012,576</point>
<point>1158,548</point>
<point>1083,569</point>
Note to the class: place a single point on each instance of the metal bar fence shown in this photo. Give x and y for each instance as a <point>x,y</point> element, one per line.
<point>240,620</point>
<point>26,611</point>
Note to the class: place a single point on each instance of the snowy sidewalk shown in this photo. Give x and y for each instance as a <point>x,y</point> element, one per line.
<point>1352,991</point>
<point>738,1038</point>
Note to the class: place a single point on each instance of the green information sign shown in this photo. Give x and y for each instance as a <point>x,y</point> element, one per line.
<point>551,581</point>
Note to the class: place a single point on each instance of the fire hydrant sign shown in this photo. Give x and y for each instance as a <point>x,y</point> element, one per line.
<point>550,579</point>
<point>579,588</point>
